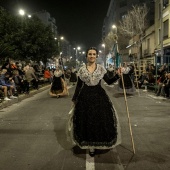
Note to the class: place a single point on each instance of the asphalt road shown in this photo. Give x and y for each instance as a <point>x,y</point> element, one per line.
<point>32,135</point>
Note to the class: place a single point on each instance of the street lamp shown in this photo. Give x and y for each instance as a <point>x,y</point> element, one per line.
<point>62,39</point>
<point>103,45</point>
<point>114,28</point>
<point>61,52</point>
<point>21,12</point>
<point>77,49</point>
<point>115,47</point>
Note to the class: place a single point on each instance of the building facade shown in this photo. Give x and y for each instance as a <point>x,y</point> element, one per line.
<point>116,12</point>
<point>162,31</point>
<point>46,18</point>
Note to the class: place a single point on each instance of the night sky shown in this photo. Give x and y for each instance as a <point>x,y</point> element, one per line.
<point>77,20</point>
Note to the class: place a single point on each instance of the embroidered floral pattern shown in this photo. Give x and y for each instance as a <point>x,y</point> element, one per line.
<point>91,79</point>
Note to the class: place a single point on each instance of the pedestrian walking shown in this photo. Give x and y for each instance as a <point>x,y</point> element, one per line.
<point>110,71</point>
<point>73,76</point>
<point>95,122</point>
<point>58,86</point>
<point>128,82</point>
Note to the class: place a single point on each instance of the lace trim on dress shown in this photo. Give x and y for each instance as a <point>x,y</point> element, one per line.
<point>91,79</point>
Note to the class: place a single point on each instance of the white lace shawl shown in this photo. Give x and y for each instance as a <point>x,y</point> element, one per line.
<point>91,79</point>
<point>58,73</point>
<point>125,70</point>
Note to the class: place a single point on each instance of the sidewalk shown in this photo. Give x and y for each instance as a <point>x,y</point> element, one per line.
<point>21,97</point>
<point>151,94</point>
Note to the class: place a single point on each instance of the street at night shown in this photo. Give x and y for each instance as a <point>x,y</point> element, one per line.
<point>85,85</point>
<point>33,135</point>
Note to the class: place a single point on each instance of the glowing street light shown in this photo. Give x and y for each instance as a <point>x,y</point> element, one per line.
<point>114,28</point>
<point>21,12</point>
<point>103,45</point>
<point>115,49</point>
<point>77,49</point>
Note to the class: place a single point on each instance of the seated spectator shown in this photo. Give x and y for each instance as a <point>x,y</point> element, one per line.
<point>160,82</point>
<point>149,78</point>
<point>7,81</point>
<point>4,89</point>
<point>142,79</point>
<point>7,67</point>
<point>22,85</point>
<point>167,86</point>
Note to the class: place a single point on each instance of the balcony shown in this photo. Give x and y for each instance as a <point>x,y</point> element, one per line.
<point>146,51</point>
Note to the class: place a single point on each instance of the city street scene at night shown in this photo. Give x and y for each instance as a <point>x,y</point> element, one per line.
<point>85,85</point>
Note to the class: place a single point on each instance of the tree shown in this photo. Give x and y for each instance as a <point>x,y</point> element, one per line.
<point>22,38</point>
<point>109,40</point>
<point>38,41</point>
<point>135,22</point>
<point>8,25</point>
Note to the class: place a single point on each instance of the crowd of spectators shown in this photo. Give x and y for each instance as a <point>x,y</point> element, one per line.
<point>158,78</point>
<point>17,78</point>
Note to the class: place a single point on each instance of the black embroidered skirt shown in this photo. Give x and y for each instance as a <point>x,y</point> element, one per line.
<point>95,123</point>
<point>128,84</point>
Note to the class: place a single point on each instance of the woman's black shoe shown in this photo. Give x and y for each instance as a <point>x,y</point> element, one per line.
<point>92,152</point>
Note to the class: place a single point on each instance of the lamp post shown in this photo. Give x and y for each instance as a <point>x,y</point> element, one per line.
<point>62,39</point>
<point>115,47</point>
<point>61,53</point>
<point>77,49</point>
<point>22,13</point>
<point>104,46</point>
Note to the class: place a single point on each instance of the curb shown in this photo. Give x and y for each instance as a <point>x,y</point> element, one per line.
<point>157,97</point>
<point>22,97</point>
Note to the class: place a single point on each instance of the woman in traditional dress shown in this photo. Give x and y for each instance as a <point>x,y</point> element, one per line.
<point>110,71</point>
<point>59,86</point>
<point>95,123</point>
<point>73,76</point>
<point>127,80</point>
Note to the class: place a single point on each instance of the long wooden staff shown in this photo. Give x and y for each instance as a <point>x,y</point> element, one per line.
<point>127,109</point>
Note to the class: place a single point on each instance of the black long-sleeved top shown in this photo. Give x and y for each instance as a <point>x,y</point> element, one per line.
<point>80,84</point>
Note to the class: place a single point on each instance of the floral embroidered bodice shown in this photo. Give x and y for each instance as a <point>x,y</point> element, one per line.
<point>91,79</point>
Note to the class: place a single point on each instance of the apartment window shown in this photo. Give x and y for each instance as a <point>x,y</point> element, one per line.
<point>165,28</point>
<point>123,15</point>
<point>165,3</point>
<point>159,12</point>
<point>122,3</point>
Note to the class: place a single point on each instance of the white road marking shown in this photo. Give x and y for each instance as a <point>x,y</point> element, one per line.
<point>90,165</point>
